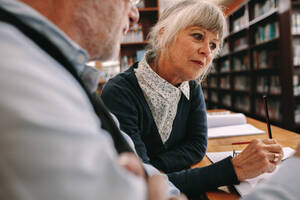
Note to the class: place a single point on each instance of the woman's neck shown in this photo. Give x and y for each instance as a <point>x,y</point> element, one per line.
<point>164,70</point>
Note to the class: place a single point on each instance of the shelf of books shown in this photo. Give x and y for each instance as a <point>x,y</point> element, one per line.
<point>295,15</point>
<point>260,56</point>
<point>134,43</point>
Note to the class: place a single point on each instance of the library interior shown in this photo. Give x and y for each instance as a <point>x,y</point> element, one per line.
<point>122,128</point>
<point>260,56</point>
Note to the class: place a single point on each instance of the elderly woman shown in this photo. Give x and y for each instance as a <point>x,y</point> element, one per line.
<point>161,106</point>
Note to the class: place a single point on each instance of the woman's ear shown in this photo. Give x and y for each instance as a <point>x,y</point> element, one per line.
<point>159,36</point>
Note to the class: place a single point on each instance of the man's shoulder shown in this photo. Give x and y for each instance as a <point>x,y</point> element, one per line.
<point>26,67</point>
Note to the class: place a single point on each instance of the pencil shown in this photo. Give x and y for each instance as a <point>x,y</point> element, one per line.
<point>237,143</point>
<point>267,116</point>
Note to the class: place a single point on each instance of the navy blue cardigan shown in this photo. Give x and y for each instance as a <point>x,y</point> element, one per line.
<point>186,144</point>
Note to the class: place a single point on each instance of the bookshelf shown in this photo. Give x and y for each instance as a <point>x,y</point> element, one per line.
<point>132,48</point>
<point>261,55</point>
<point>295,31</point>
<point>133,45</point>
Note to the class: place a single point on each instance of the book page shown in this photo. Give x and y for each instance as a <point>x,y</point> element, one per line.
<point>220,120</point>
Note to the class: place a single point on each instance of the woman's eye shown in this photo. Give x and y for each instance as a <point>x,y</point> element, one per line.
<point>198,36</point>
<point>213,46</point>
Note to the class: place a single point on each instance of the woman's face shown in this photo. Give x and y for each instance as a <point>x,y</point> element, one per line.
<point>191,51</point>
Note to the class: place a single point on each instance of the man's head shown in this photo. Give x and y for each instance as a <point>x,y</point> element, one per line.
<point>96,25</point>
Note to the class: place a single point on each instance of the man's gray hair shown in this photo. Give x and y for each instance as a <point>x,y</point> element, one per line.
<point>183,14</point>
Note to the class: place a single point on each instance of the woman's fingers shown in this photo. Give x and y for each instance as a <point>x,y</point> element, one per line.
<point>258,157</point>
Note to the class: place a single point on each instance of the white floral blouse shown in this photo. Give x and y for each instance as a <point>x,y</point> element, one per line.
<point>161,96</point>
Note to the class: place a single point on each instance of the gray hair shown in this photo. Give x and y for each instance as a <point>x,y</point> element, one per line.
<point>181,15</point>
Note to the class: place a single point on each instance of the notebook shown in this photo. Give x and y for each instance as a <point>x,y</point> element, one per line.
<point>229,124</point>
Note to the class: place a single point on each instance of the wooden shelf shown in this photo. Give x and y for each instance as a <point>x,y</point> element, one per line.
<point>241,91</point>
<point>270,71</point>
<point>153,9</point>
<point>265,43</point>
<point>239,51</point>
<point>296,3</point>
<point>244,28</point>
<point>241,71</point>
<point>271,13</point>
<point>134,43</point>
<point>272,121</point>
<point>267,93</point>
<point>214,74</point>
<point>225,90</point>
<point>224,73</point>
<point>130,52</point>
<point>280,49</point>
<point>213,88</point>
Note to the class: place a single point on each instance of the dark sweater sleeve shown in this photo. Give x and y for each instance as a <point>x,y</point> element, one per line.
<point>194,182</point>
<point>120,100</point>
<point>193,148</point>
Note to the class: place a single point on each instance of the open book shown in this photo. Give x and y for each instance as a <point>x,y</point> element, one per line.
<point>244,187</point>
<point>227,124</point>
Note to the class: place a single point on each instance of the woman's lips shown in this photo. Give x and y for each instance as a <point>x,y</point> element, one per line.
<point>198,62</point>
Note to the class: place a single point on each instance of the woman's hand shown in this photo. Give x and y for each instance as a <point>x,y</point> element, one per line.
<point>258,157</point>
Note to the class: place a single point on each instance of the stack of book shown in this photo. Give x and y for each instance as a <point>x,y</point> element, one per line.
<point>225,82</point>
<point>226,100</point>
<point>240,43</point>
<point>274,109</point>
<point>265,58</point>
<point>263,7</point>
<point>296,48</point>
<point>141,4</point>
<point>262,84</point>
<point>134,34</point>
<point>213,82</point>
<point>225,49</point>
<point>214,97</point>
<point>267,32</point>
<point>296,85</point>
<point>242,103</point>
<point>275,86</point>
<point>224,66</point>
<point>297,114</point>
<point>296,23</point>
<point>239,23</point>
<point>241,63</point>
<point>242,83</point>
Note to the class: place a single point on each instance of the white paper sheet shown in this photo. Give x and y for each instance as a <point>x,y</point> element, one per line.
<point>235,130</point>
<point>246,186</point>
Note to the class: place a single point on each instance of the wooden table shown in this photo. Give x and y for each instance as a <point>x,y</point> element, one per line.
<point>284,137</point>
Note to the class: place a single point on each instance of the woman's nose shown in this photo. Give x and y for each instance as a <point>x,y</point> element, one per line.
<point>205,49</point>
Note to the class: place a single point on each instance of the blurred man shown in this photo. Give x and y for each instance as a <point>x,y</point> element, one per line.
<point>52,144</point>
